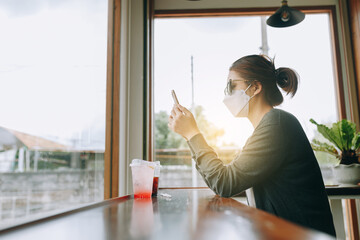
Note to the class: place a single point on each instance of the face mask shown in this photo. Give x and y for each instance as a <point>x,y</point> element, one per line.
<point>238,102</point>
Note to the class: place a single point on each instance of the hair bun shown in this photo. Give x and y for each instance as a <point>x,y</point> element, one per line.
<point>287,79</point>
<point>281,79</point>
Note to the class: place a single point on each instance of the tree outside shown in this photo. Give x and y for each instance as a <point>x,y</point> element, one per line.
<point>167,139</point>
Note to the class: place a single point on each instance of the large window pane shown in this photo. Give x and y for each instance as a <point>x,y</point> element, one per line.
<point>52,125</point>
<point>214,44</point>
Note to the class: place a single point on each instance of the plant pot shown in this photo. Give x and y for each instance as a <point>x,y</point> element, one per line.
<point>347,174</point>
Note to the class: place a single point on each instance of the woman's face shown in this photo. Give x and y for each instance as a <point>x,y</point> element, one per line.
<point>238,83</point>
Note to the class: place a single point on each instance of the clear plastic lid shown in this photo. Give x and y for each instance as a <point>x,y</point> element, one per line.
<point>157,169</point>
<point>140,162</point>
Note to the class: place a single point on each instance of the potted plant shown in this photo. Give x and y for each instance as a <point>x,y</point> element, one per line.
<point>344,145</point>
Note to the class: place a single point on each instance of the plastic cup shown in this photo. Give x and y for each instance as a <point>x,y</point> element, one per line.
<point>142,177</point>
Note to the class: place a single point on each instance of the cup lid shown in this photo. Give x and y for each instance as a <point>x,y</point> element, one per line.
<point>140,162</point>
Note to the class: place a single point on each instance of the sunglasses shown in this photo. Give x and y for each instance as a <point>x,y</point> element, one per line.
<point>229,86</point>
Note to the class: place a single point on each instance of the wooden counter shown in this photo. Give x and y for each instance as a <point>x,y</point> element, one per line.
<point>187,214</point>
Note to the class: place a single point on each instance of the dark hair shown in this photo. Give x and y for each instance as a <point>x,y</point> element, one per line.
<point>262,69</point>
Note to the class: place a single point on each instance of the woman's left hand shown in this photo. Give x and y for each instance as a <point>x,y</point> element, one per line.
<point>182,121</point>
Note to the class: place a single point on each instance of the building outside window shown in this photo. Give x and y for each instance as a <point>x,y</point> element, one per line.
<point>52,124</point>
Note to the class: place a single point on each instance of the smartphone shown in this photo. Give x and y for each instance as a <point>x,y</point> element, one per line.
<point>173,94</point>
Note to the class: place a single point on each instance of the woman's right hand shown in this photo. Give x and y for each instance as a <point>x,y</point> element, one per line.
<point>182,121</point>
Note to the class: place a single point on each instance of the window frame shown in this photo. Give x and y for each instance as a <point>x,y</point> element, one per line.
<point>346,84</point>
<point>111,155</point>
<point>232,12</point>
<point>347,92</point>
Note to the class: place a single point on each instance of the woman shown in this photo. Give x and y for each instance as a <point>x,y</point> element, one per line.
<point>277,162</point>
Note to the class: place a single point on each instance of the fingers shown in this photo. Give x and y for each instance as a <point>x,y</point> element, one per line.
<point>182,109</point>
<point>173,112</point>
<point>170,122</point>
<point>177,110</point>
<point>176,113</point>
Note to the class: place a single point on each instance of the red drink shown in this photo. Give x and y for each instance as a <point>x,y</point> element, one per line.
<point>155,186</point>
<point>143,195</point>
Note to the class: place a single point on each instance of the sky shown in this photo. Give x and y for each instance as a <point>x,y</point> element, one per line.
<point>53,67</point>
<point>215,43</point>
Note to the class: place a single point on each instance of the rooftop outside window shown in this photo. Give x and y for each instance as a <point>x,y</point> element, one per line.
<point>52,101</point>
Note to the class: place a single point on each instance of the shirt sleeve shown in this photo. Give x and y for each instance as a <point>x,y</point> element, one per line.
<point>261,157</point>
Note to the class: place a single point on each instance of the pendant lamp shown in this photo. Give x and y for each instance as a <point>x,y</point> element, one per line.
<point>285,16</point>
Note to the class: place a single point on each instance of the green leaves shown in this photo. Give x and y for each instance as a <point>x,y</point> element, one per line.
<point>356,142</point>
<point>348,130</point>
<point>324,147</point>
<point>342,134</point>
<point>329,134</point>
<point>164,137</point>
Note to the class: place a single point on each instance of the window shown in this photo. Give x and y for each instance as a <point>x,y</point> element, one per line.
<point>52,125</point>
<point>202,49</point>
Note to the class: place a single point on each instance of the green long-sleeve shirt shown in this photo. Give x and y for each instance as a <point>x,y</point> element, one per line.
<point>280,165</point>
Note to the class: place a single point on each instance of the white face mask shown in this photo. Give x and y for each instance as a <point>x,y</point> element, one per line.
<point>238,102</point>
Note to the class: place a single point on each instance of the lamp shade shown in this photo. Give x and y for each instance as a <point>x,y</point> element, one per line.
<point>285,16</point>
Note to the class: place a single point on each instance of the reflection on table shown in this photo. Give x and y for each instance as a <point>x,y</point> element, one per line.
<point>174,214</point>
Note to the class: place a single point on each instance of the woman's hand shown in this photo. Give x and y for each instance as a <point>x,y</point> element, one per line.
<point>183,122</point>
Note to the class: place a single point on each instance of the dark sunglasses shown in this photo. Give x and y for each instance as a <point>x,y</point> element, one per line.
<point>229,86</point>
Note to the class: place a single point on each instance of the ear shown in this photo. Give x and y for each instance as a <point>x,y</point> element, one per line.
<point>257,87</point>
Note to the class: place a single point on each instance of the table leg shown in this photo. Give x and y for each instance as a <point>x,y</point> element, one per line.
<point>337,212</point>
